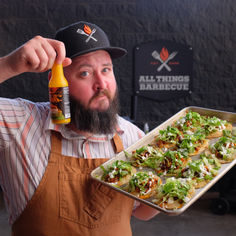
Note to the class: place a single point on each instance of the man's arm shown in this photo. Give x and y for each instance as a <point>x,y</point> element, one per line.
<point>36,55</point>
<point>145,212</point>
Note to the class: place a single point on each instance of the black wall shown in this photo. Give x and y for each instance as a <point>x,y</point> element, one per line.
<point>208,26</point>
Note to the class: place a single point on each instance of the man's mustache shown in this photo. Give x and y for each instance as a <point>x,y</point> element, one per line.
<point>100,93</point>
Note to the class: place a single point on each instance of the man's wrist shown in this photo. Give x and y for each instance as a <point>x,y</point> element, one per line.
<point>5,71</point>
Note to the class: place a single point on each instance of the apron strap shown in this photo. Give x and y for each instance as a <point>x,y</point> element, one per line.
<point>55,142</point>
<point>118,143</point>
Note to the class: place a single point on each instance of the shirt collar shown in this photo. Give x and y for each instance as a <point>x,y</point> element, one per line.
<point>67,133</point>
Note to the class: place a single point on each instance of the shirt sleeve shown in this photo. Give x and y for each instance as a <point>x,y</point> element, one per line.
<point>12,116</point>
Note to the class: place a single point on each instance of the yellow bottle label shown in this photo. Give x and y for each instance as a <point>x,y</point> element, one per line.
<point>59,104</point>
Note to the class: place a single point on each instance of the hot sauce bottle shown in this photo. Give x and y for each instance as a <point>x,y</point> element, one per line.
<point>59,96</point>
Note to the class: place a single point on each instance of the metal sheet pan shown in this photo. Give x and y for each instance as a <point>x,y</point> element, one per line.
<point>147,139</point>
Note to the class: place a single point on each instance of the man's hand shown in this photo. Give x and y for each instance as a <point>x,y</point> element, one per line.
<point>36,55</point>
<point>144,212</point>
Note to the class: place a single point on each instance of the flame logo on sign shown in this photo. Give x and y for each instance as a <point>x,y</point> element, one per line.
<point>164,57</point>
<point>164,54</point>
<point>87,29</point>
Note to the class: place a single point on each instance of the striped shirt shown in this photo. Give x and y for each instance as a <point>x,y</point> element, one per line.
<point>25,145</point>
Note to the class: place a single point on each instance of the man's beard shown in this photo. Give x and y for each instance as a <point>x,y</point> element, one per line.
<point>95,121</point>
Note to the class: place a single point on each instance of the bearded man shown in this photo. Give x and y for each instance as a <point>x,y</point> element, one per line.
<point>44,167</point>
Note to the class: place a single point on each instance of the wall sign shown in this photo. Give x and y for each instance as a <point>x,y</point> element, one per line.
<point>163,70</point>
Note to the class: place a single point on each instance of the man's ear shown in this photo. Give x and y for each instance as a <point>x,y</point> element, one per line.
<point>49,75</point>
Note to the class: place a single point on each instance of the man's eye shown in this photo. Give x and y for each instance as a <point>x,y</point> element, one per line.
<point>84,73</point>
<point>106,69</point>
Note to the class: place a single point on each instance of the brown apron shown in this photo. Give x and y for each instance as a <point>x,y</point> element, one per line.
<point>68,202</point>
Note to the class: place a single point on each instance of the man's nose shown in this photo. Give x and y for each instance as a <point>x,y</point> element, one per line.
<point>100,82</point>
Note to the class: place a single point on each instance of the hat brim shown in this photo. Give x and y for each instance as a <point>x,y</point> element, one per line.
<point>115,52</point>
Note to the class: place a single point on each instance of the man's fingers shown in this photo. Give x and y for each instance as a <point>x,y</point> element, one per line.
<point>51,55</point>
<point>48,51</point>
<point>67,61</point>
<point>37,55</point>
<point>59,48</point>
<point>31,61</point>
<point>43,58</point>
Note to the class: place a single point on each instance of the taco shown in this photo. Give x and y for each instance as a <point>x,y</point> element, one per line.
<point>191,121</point>
<point>139,156</point>
<point>214,127</point>
<point>174,193</point>
<point>224,149</point>
<point>170,163</point>
<point>143,184</point>
<point>193,143</point>
<point>118,173</point>
<point>202,170</point>
<point>167,138</point>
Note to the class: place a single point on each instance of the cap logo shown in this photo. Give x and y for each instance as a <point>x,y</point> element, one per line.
<point>88,32</point>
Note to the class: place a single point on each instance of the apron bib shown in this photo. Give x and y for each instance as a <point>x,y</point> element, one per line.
<point>68,202</point>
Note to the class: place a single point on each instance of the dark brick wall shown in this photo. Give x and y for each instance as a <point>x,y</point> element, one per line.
<point>206,25</point>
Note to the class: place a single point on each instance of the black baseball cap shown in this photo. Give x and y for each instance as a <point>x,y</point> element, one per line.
<point>84,37</point>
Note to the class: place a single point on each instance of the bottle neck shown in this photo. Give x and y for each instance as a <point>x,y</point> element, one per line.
<point>57,78</point>
<point>57,70</point>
